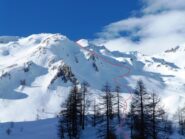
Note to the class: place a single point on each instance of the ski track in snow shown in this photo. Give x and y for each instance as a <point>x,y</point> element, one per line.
<point>116,80</point>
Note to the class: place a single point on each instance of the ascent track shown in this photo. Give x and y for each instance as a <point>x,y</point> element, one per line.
<point>116,80</point>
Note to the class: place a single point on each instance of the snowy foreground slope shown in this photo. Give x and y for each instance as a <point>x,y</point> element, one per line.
<point>36,73</point>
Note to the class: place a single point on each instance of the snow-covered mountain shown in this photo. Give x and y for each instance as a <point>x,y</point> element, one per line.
<point>36,73</point>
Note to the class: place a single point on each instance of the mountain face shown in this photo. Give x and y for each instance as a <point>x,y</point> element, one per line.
<point>36,73</point>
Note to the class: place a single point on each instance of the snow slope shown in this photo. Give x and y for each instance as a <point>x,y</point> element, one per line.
<point>36,73</point>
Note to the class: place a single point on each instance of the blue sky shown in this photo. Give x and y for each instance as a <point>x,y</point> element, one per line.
<point>74,18</point>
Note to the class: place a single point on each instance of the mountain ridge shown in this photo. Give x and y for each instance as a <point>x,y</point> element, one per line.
<point>37,72</point>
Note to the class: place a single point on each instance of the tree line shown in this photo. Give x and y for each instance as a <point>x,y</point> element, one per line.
<point>146,118</point>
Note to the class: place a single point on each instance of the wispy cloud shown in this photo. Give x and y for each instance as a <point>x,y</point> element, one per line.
<point>152,6</point>
<point>161,26</point>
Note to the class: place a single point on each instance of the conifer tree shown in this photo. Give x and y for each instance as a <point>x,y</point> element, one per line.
<point>148,118</point>
<point>156,117</point>
<point>140,109</point>
<point>69,123</point>
<point>118,102</point>
<point>106,127</point>
<point>84,102</point>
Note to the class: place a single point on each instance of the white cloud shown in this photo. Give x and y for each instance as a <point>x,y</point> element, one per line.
<point>162,26</point>
<point>152,6</point>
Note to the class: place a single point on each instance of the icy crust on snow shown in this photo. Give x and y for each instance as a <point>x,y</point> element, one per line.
<point>36,73</point>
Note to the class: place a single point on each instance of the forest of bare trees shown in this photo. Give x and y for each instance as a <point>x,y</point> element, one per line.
<point>146,118</point>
